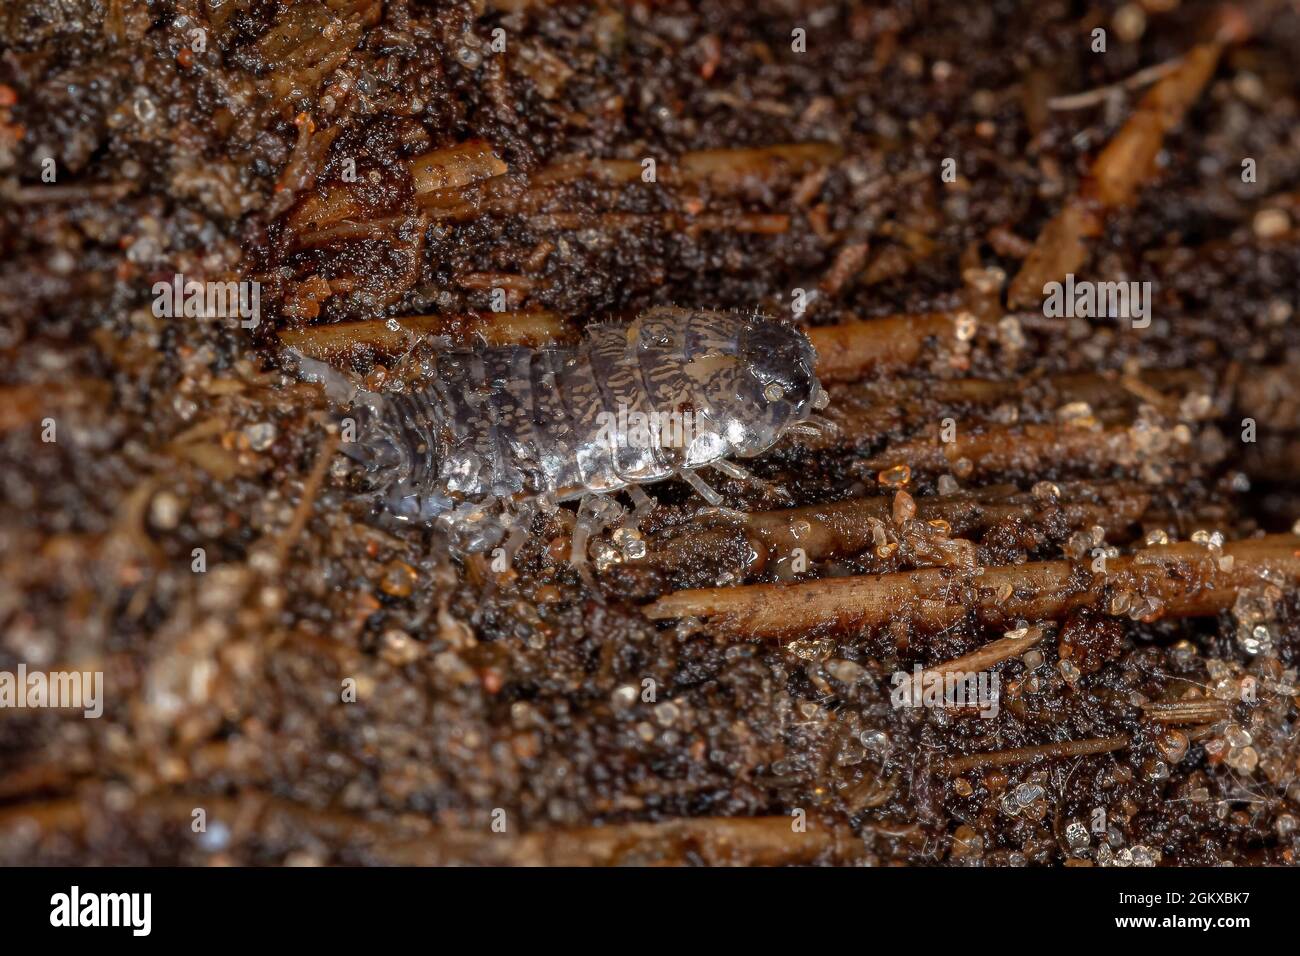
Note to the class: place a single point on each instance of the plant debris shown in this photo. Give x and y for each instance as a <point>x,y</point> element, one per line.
<point>1099,514</point>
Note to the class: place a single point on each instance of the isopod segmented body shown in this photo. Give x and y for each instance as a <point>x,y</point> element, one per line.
<point>672,391</point>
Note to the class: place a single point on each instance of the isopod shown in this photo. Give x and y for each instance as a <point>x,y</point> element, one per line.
<point>494,432</point>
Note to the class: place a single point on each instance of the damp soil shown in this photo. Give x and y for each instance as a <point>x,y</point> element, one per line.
<point>331,687</point>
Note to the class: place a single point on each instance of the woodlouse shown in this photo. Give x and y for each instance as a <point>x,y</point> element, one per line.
<point>494,432</point>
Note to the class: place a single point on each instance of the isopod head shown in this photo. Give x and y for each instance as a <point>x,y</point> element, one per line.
<point>773,386</point>
<point>389,464</point>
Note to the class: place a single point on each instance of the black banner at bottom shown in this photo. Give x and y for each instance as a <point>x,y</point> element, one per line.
<point>334,906</point>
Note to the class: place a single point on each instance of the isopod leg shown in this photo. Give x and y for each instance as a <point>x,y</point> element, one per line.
<point>741,474</point>
<point>644,505</point>
<point>519,522</point>
<point>474,528</point>
<point>701,487</point>
<point>595,513</point>
<point>815,427</point>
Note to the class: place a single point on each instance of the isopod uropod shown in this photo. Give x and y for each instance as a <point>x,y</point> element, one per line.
<point>494,432</point>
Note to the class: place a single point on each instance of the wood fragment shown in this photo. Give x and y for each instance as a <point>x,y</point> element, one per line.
<point>60,815</point>
<point>1032,448</point>
<point>1196,711</point>
<point>994,652</point>
<point>1144,77</point>
<point>848,351</point>
<point>734,169</point>
<point>24,404</point>
<point>748,841</point>
<point>390,337</point>
<point>724,170</point>
<point>1021,755</point>
<point>721,172</point>
<point>1123,167</point>
<point>1181,580</point>
<point>843,528</point>
<point>304,164</point>
<point>1062,248</point>
<point>65,193</point>
<point>455,167</point>
<point>848,263</point>
<point>871,409</point>
<point>307,502</point>
<point>25,781</point>
<point>1128,161</point>
<point>743,222</point>
<point>439,178</point>
<point>718,841</point>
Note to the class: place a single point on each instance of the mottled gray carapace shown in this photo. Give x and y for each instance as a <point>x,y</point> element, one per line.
<point>672,391</point>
